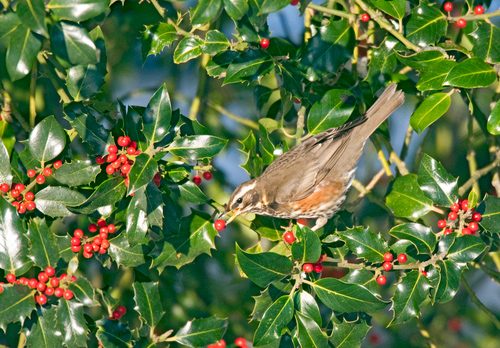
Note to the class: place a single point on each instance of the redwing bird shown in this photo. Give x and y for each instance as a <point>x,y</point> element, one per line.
<point>311,179</point>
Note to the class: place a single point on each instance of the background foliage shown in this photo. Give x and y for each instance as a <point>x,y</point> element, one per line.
<point>191,84</point>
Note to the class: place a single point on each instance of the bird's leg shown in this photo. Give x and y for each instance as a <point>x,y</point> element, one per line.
<point>289,227</point>
<point>320,222</point>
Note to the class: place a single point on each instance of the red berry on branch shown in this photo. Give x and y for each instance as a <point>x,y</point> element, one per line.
<point>59,292</point>
<point>33,283</point>
<point>29,196</point>
<point>307,267</point>
<point>30,205</point>
<point>197,180</point>
<point>467,230</point>
<point>31,173</point>
<point>47,172</point>
<point>219,225</point>
<point>381,280</point>
<point>92,228</point>
<point>105,244</point>
<point>58,164</point>
<point>43,277</point>
<point>448,6</point>
<point>473,226</point>
<point>289,237</point>
<point>4,188</point>
<point>103,235</point>
<point>20,187</point>
<point>264,43</point>
<point>101,222</point>
<point>424,273</point>
<point>87,255</point>
<point>50,271</point>
<point>76,248</point>
<point>452,216</point>
<point>111,228</point>
<point>447,231</point>
<point>41,286</point>
<point>49,291</point>
<point>122,310</point>
<point>476,217</point>
<point>41,300</point>
<point>54,282</point>
<point>125,168</point>
<point>15,193</point>
<point>479,10</point>
<point>318,267</point>
<point>402,258</point>
<point>455,207</point>
<point>99,160</point>
<point>465,205</point>
<point>240,342</point>
<point>111,157</point>
<point>220,344</point>
<point>116,315</point>
<point>22,208</point>
<point>207,175</point>
<point>95,247</point>
<point>387,266</point>
<point>68,294</point>
<point>110,169</point>
<point>461,23</point>
<point>388,257</point>
<point>75,241</point>
<point>112,149</point>
<point>78,233</point>
<point>294,2</point>
<point>130,150</point>
<point>365,17</point>
<point>87,248</point>
<point>442,223</point>
<point>11,278</point>
<point>40,179</point>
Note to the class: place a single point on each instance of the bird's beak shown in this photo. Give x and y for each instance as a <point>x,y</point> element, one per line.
<point>235,214</point>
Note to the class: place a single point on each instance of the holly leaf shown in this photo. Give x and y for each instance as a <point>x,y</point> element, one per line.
<point>83,291</point>
<point>332,110</point>
<point>187,49</point>
<point>394,8</point>
<point>248,66</point>
<point>54,200</point>
<point>215,42</point>
<point>201,332</point>
<point>493,124</point>
<point>112,333</point>
<point>307,305</point>
<point>70,317</point>
<point>436,182</point>
<point>71,42</point>
<point>93,133</point>
<point>5,171</point>
<point>189,191</point>
<point>365,244</point>
<point>148,302</point>
<point>107,194</point>
<point>419,235</point>
<point>21,53</point>
<point>431,109</point>
<point>471,73</point>
<point>197,147</point>
<point>490,214</point>
<point>142,173</point>
<point>84,81</point>
<point>426,25</point>
<point>157,116</point>
<point>309,333</point>
<point>77,10</point>
<point>124,254</point>
<point>466,249</point>
<point>407,199</point>
<point>348,335</point>
<point>13,241</point>
<point>263,268</point>
<point>274,320</point>
<point>307,247</point>
<point>449,272</point>
<point>47,139</point>
<point>77,173</point>
<point>236,9</point>
<point>204,12</point>
<point>484,38</point>
<point>32,14</point>
<point>136,226</point>
<point>44,333</point>
<point>44,250</point>
<point>410,292</point>
<point>268,227</point>
<point>433,78</point>
<point>18,301</point>
<point>155,37</point>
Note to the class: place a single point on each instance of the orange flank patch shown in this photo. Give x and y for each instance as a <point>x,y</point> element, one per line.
<point>326,192</point>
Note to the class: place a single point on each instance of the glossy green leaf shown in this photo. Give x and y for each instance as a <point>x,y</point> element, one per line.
<point>44,333</point>
<point>187,49</point>
<point>421,236</point>
<point>309,333</point>
<point>21,53</point>
<point>266,147</point>
<point>248,66</point>
<point>306,304</point>
<point>112,333</point>
<point>78,10</point>
<point>249,31</point>
<point>83,291</point>
<point>307,247</point>
<point>196,237</point>
<point>471,73</point>
<point>493,124</point>
<point>107,194</point>
<point>93,133</point>
<point>490,214</point>
<point>47,140</point>
<point>84,81</point>
<point>332,110</point>
<point>156,37</point>
<point>44,250</point>
<point>13,241</point>
<point>215,42</point>
<point>429,111</point>
<point>55,200</point>
<point>142,172</point>
<point>5,171</point>
<point>156,118</point>
<point>148,302</point>
<point>189,191</point>
<point>345,297</point>
<point>275,319</point>
<point>136,225</point>
<point>423,60</point>
<point>394,8</point>
<point>407,199</point>
<point>263,268</point>
<point>201,332</point>
<point>9,22</point>
<point>236,8</point>
<point>450,272</point>
<point>154,205</point>
<point>426,25</point>
<point>77,173</point>
<point>410,292</point>
<point>348,335</point>
<point>7,137</point>
<point>267,298</point>
<point>466,249</point>
<point>365,244</point>
<point>32,14</point>
<point>72,43</point>
<point>270,6</point>
<point>18,301</point>
<point>268,227</point>
<point>70,317</point>
<point>362,277</point>
<point>484,40</point>
<point>382,63</point>
<point>124,254</point>
<point>472,198</point>
<point>197,147</point>
<point>205,11</point>
<point>436,182</point>
<point>433,78</point>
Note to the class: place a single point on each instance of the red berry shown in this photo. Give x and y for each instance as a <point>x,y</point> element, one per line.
<point>93,228</point>
<point>20,187</point>
<point>76,248</point>
<point>41,286</point>
<point>30,205</point>
<point>78,233</point>
<point>219,225</point>
<point>467,230</point>
<point>58,164</point>
<point>381,279</point>
<point>87,248</point>
<point>473,226</point>
<point>31,173</point>
<point>105,244</point>
<point>402,258</point>
<point>15,193</point>
<point>102,250</point>
<point>54,282</point>
<point>101,222</point>
<point>99,160</point>
<point>1,288</point>
<point>294,2</point>
<point>197,180</point>
<point>387,266</point>
<point>11,278</point>
<point>476,217</point>
<point>97,240</point>
<point>123,158</point>
<point>43,277</point>
<point>388,257</point>
<point>110,169</point>
<point>264,43</point>
<point>479,10</point>
<point>452,216</point>
<point>111,228</point>
<point>59,292</point>
<point>289,237</point>
<point>87,255</point>
<point>116,164</point>
<point>116,315</point>
<point>40,179</point>
<point>4,188</point>
<point>307,267</point>
<point>64,275</point>
<point>22,208</point>
<point>455,207</point>
<point>47,171</point>
<point>130,150</point>
<point>125,168</point>
<point>424,273</point>
<point>207,175</point>
<point>220,344</point>
<point>442,223</point>
<point>103,230</point>
<point>133,144</point>
<point>122,310</point>
<point>461,23</point>
<point>240,342</point>
<point>75,241</point>
<point>112,149</point>
<point>68,294</point>
<point>50,271</point>
<point>465,205</point>
<point>49,291</point>
<point>29,196</point>
<point>365,17</point>
<point>103,235</point>
<point>447,231</point>
<point>111,157</point>
<point>448,6</point>
<point>157,177</point>
<point>41,300</point>
<point>33,283</point>
<point>318,267</point>
<point>24,281</point>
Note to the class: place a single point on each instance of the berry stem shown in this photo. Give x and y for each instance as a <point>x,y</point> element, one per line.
<point>472,16</point>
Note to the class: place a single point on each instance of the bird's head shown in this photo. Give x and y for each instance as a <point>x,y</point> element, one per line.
<point>243,200</point>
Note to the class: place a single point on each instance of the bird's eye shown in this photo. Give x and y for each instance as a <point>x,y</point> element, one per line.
<point>239,200</point>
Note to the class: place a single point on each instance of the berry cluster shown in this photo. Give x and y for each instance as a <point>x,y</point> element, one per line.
<point>478,10</point>
<point>466,218</point>
<point>120,160</point>
<point>21,201</point>
<point>387,265</point>
<point>46,285</point>
<point>197,179</point>
<point>118,313</point>
<point>99,243</point>
<point>317,267</point>
<point>220,344</point>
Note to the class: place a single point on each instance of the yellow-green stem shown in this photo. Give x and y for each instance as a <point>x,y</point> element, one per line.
<point>202,81</point>
<point>331,11</point>
<point>33,95</point>
<point>222,110</point>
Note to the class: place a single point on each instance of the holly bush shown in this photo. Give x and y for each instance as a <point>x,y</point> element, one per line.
<point>119,130</point>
